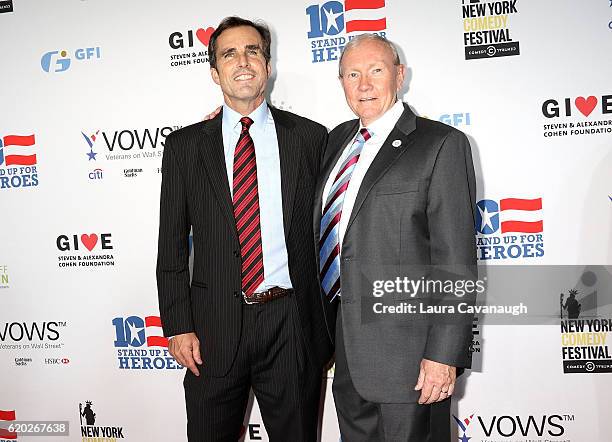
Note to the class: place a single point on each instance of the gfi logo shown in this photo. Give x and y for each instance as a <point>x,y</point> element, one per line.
<point>59,61</point>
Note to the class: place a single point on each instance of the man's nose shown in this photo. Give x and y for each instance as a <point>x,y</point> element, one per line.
<point>243,60</point>
<point>364,83</point>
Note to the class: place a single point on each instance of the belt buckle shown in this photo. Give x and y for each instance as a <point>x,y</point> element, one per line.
<point>247,300</point>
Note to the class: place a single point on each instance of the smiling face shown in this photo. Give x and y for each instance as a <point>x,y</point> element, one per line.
<point>242,71</point>
<point>370,79</point>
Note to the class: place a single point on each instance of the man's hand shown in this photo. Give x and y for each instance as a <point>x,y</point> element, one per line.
<point>436,381</point>
<point>213,114</point>
<point>185,349</point>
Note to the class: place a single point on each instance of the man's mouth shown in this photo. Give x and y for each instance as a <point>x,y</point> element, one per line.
<point>367,99</point>
<point>243,77</point>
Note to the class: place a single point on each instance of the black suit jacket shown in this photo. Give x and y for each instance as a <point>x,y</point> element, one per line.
<point>195,194</point>
<point>412,217</point>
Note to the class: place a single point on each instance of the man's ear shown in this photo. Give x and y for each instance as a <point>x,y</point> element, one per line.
<point>215,75</point>
<point>269,69</point>
<point>401,75</point>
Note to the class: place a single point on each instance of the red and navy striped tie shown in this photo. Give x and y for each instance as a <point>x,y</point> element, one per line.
<point>329,244</point>
<point>246,210</point>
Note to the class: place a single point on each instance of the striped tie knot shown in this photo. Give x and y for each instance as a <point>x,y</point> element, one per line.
<point>365,134</point>
<point>246,123</point>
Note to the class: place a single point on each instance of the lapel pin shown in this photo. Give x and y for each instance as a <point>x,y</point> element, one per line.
<point>396,143</point>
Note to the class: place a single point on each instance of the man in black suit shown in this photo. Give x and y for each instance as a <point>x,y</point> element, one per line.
<point>251,317</point>
<point>395,199</point>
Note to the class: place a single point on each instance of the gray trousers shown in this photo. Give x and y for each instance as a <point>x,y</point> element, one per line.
<point>362,421</point>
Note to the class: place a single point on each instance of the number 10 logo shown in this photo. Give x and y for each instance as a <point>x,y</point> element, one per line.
<point>327,19</point>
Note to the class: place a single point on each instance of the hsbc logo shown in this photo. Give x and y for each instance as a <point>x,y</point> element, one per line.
<point>57,361</point>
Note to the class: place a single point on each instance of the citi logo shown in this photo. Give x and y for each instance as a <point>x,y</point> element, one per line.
<point>96,174</point>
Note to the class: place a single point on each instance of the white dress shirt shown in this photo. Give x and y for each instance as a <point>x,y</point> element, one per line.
<point>380,130</point>
<point>263,133</point>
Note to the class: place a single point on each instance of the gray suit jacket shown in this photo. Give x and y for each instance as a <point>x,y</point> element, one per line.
<point>414,209</point>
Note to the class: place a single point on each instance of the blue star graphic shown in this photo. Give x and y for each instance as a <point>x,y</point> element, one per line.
<point>92,155</point>
<point>464,438</point>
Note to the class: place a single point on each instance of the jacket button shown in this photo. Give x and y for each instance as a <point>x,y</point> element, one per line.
<point>236,253</point>
<point>236,294</point>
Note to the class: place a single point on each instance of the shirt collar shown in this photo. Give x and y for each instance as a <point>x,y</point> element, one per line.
<point>231,118</point>
<point>385,124</point>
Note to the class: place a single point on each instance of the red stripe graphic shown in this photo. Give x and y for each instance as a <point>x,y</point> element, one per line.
<point>157,341</point>
<point>520,204</point>
<point>5,434</point>
<point>19,140</point>
<point>153,321</point>
<point>522,226</point>
<point>363,4</point>
<point>7,415</point>
<point>366,25</point>
<point>20,160</point>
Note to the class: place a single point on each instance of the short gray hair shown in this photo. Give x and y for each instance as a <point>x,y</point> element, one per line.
<point>369,37</point>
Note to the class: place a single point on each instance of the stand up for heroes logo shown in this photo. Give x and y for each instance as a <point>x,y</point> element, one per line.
<point>18,161</point>
<point>331,22</point>
<point>140,344</point>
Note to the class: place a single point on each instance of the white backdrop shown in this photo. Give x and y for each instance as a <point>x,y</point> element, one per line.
<point>99,84</point>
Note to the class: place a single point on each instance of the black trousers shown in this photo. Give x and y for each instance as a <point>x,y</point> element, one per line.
<point>273,362</point>
<point>361,420</point>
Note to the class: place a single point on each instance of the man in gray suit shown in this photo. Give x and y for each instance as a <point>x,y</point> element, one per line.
<point>396,193</point>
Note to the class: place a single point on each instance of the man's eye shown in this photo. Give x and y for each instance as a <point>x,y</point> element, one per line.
<point>353,75</point>
<point>253,52</point>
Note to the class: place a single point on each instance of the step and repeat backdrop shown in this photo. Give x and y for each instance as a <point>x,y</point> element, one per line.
<point>90,90</point>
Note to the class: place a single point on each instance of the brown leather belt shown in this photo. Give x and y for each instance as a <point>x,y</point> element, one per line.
<point>267,296</point>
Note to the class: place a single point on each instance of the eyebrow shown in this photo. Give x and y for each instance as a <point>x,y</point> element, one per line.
<point>247,47</point>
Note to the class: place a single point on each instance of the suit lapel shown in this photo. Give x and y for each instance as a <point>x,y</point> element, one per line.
<point>290,159</point>
<point>213,159</point>
<point>385,158</point>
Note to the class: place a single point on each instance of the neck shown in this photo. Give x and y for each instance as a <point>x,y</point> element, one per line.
<point>244,107</point>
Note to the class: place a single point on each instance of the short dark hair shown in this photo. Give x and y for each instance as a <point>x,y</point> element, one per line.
<point>234,22</point>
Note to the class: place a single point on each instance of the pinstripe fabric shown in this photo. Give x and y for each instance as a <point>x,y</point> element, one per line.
<point>286,388</point>
<point>195,195</point>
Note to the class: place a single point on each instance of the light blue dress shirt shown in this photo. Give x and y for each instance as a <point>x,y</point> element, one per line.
<point>263,133</point>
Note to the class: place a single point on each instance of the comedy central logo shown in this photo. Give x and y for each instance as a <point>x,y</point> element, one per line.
<point>509,228</point>
<point>333,21</point>
<point>190,47</point>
